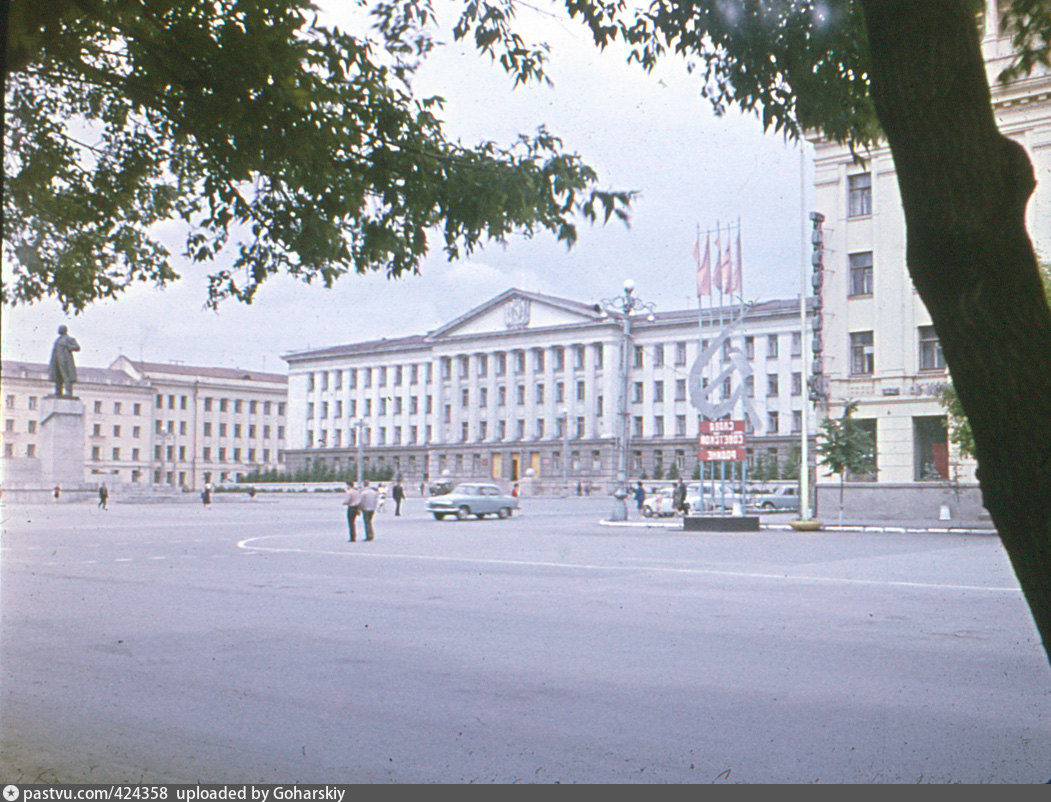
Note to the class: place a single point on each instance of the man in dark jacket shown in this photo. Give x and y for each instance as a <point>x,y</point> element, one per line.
<point>398,494</point>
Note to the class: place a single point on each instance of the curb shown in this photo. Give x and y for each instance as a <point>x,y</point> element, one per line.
<point>877,529</point>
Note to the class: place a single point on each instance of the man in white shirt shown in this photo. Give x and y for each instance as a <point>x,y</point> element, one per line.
<point>352,501</point>
<point>369,501</point>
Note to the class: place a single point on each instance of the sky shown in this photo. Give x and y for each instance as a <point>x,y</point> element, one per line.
<point>649,132</point>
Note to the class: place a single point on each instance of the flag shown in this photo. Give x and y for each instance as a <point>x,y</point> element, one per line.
<point>717,272</point>
<point>733,283</point>
<point>726,269</point>
<point>704,269</point>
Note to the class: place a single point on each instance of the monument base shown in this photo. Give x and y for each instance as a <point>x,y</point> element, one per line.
<point>61,440</point>
<point>715,523</point>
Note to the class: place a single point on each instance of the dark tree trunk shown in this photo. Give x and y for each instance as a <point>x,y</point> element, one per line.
<point>964,188</point>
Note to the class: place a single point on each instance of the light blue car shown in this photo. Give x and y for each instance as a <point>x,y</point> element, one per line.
<point>473,498</point>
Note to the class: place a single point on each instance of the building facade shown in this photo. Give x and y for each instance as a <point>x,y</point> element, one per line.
<point>150,424</point>
<point>530,386</point>
<point>880,348</point>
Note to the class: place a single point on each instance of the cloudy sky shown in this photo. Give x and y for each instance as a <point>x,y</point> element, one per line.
<point>648,132</point>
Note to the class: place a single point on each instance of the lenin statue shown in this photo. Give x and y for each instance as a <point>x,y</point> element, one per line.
<point>62,371</point>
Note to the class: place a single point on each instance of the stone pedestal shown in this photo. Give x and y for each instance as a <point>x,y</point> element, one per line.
<point>61,441</point>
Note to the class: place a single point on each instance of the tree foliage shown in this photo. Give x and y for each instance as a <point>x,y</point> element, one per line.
<point>283,145</point>
<point>844,445</point>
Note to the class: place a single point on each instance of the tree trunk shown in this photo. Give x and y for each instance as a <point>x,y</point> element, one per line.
<point>964,189</point>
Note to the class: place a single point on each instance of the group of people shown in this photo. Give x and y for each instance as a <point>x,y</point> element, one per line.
<point>367,501</point>
<point>678,497</point>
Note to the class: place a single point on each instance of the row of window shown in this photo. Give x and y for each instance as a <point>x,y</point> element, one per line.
<point>211,404</point>
<point>863,352</point>
<point>395,375</point>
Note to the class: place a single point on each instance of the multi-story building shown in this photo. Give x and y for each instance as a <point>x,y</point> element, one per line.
<point>530,385</point>
<point>880,348</point>
<point>152,424</point>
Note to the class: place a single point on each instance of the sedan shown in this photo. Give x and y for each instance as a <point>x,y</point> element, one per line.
<point>473,498</point>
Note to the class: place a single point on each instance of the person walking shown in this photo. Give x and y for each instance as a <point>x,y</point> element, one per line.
<point>679,497</point>
<point>103,496</point>
<point>369,502</point>
<point>640,497</point>
<point>206,494</point>
<point>352,501</point>
<point>398,494</point>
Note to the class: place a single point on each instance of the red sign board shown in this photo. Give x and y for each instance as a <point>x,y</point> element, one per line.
<point>721,441</point>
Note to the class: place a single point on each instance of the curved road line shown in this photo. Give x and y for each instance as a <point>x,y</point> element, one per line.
<point>248,544</point>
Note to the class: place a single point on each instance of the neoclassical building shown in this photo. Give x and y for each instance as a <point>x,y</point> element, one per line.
<point>879,346</point>
<point>151,424</point>
<point>532,386</point>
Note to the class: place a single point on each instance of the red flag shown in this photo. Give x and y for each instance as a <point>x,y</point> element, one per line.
<point>726,268</point>
<point>704,269</point>
<point>733,281</point>
<point>717,272</point>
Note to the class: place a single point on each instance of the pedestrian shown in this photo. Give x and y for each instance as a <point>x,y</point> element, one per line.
<point>103,496</point>
<point>369,501</point>
<point>580,489</point>
<point>206,494</point>
<point>640,496</point>
<point>514,490</point>
<point>352,501</point>
<point>382,490</point>
<point>398,494</point>
<point>58,492</point>
<point>679,497</point>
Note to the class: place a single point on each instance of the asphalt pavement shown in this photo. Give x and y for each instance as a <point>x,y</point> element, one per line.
<point>250,642</point>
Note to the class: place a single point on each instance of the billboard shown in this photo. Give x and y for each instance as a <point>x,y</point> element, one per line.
<point>721,441</point>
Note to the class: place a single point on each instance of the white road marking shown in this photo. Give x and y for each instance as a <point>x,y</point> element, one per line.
<point>248,544</point>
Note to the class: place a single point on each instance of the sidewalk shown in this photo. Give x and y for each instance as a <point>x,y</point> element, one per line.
<point>782,522</point>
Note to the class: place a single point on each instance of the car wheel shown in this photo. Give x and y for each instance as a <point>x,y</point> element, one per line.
<point>463,513</point>
<point>438,516</point>
<point>503,512</point>
<point>479,515</point>
<point>647,512</point>
<point>768,505</point>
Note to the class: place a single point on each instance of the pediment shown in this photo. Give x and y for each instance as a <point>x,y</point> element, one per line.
<point>517,310</point>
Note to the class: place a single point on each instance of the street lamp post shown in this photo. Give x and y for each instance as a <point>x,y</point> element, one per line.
<point>623,307</point>
<point>359,425</point>
<point>564,418</point>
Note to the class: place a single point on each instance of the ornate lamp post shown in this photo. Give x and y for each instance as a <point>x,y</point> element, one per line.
<point>623,307</point>
<point>359,425</point>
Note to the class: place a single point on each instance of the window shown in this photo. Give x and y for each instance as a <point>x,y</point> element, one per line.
<point>658,426</point>
<point>726,389</point>
<point>931,448</point>
<point>137,409</point>
<point>519,429</point>
<point>636,393</point>
<point>581,390</point>
<point>9,402</point>
<point>9,425</point>
<point>501,364</point>
<point>538,361</point>
<point>96,430</point>
<point>116,429</point>
<point>797,421</point>
<point>465,366</point>
<point>206,454</point>
<point>520,394</point>
<point>581,425</point>
<point>483,431</point>
<point>680,353</point>
<point>680,389</point>
<point>32,401</point>
<point>598,356</point>
<point>465,398</point>
<point>397,375</point>
<point>560,392</point>
<point>771,423</point>
<point>859,189</point>
<point>519,362</point>
<point>464,431</point>
<point>797,384</point>
<point>658,356</point>
<point>680,427</point>
<point>559,358</point>
<point>771,384</point>
<point>382,380</point>
<point>749,385</point>
<point>636,426</point>
<point>861,273</point>
<point>540,393</point>
<point>116,407</point>
<point>237,430</point>
<point>98,407</point>
<point>749,347</point>
<point>797,343</point>
<point>182,402</point>
<point>223,404</point>
<point>96,453</point>
<point>862,359</point>
<point>771,346</point>
<point>931,356</point>
<point>539,428</point>
<point>658,392</point>
<point>253,406</point>
<point>637,363</point>
<point>578,357</point>
<point>483,365</point>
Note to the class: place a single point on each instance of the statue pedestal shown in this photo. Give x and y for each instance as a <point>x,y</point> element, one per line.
<point>61,441</point>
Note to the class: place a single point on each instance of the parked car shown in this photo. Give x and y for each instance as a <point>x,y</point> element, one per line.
<point>473,498</point>
<point>440,488</point>
<point>785,498</point>
<point>659,504</point>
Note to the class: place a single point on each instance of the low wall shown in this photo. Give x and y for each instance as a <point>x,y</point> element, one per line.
<point>871,501</point>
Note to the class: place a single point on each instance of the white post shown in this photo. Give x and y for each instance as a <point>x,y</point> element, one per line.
<point>804,457</point>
